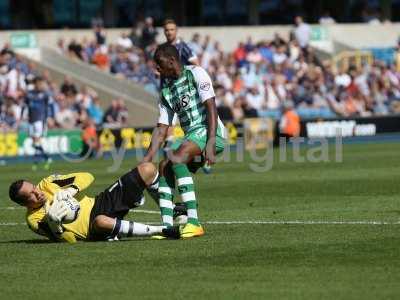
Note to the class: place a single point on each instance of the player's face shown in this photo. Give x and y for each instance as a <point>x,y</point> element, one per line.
<point>40,85</point>
<point>170,32</point>
<point>167,67</point>
<point>34,197</point>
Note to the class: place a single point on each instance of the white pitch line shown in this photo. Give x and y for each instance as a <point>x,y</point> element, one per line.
<point>295,222</point>
<point>298,222</point>
<point>11,207</point>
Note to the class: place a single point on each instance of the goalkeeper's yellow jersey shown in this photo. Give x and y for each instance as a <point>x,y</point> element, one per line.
<point>79,229</point>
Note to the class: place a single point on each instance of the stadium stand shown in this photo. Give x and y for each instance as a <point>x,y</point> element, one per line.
<point>71,106</point>
<point>258,77</point>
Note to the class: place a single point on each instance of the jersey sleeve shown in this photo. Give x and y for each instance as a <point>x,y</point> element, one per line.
<point>80,181</point>
<point>188,53</point>
<point>204,84</point>
<point>166,116</point>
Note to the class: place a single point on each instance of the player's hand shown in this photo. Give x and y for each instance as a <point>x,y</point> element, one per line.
<point>65,194</point>
<point>210,156</point>
<point>54,214</point>
<point>57,211</point>
<point>55,227</point>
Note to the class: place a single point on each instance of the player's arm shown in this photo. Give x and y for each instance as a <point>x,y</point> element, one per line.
<point>194,60</point>
<point>40,225</point>
<point>207,96</point>
<point>192,57</point>
<point>78,181</point>
<point>160,132</point>
<point>212,116</point>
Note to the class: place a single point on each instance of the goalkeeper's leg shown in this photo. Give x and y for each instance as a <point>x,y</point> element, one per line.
<point>113,227</point>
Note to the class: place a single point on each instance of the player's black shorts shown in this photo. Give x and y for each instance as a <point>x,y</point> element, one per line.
<point>117,199</point>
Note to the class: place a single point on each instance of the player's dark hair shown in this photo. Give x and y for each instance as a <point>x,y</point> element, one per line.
<point>169,21</point>
<point>166,51</point>
<point>13,192</point>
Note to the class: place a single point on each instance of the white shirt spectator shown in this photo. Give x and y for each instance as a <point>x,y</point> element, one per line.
<point>272,98</point>
<point>279,58</point>
<point>326,20</point>
<point>229,98</point>
<point>224,79</point>
<point>66,118</point>
<point>254,56</point>
<point>303,34</point>
<point>14,80</point>
<point>343,79</point>
<point>125,42</point>
<point>255,100</point>
<point>362,83</point>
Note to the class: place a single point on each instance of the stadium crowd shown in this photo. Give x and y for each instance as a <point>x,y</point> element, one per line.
<point>258,78</point>
<point>68,107</point>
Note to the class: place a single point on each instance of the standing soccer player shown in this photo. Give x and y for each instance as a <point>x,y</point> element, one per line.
<point>189,93</point>
<point>186,55</point>
<point>37,103</point>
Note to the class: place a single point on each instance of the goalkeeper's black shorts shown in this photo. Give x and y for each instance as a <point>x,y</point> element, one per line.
<point>116,201</point>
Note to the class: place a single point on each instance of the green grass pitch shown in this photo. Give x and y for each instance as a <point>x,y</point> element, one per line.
<point>301,260</point>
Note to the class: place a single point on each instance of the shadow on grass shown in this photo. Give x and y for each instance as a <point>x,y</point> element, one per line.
<point>33,241</point>
<point>28,242</point>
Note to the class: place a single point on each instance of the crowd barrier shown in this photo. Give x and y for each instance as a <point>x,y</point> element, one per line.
<point>254,133</point>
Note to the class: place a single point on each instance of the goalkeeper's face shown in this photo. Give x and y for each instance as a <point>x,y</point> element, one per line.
<point>33,197</point>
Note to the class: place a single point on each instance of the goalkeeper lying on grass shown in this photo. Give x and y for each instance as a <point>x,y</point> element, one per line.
<point>99,218</point>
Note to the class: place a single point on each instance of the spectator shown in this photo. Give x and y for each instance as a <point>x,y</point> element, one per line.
<point>342,79</point>
<point>289,124</point>
<point>65,118</point>
<point>96,112</point>
<point>68,87</point>
<point>254,99</point>
<point>89,139</point>
<point>195,45</point>
<point>326,19</point>
<point>99,34</point>
<point>111,115</point>
<point>100,58</point>
<point>8,120</point>
<point>149,33</point>
<point>239,55</point>
<point>124,41</point>
<point>75,49</point>
<point>61,46</point>
<point>186,54</point>
<point>302,32</point>
<point>133,35</point>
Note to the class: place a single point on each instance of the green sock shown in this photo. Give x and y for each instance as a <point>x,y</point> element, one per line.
<point>186,190</point>
<point>166,197</point>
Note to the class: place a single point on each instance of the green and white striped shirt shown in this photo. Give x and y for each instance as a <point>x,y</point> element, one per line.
<point>185,97</point>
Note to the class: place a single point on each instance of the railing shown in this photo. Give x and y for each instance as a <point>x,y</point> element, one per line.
<point>356,58</point>
<point>142,105</point>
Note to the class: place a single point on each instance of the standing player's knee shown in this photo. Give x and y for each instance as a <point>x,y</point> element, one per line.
<point>178,157</point>
<point>147,172</point>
